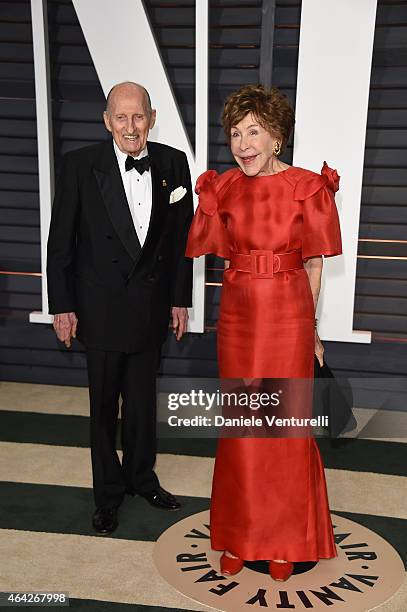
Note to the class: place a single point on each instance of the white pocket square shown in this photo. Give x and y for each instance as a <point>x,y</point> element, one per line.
<point>177,194</point>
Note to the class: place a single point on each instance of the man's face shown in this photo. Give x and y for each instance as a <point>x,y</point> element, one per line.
<point>128,120</point>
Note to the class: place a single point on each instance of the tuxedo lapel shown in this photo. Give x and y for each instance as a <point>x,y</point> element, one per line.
<point>110,183</point>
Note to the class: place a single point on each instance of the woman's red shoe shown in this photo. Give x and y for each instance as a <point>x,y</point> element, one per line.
<point>280,571</point>
<point>230,566</point>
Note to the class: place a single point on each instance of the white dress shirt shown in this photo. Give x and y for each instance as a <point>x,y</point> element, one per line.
<point>138,192</point>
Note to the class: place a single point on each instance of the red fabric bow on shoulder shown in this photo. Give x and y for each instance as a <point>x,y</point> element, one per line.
<point>205,188</point>
<point>331,176</point>
<point>311,183</point>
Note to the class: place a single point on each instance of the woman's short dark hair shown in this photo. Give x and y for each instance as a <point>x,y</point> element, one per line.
<point>271,108</point>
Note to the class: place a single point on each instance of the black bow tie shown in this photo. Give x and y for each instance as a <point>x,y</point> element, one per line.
<point>141,165</point>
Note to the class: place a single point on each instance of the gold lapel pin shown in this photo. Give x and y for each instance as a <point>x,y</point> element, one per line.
<point>164,183</point>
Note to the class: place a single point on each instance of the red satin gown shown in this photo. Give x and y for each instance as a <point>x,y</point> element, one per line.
<point>269,498</point>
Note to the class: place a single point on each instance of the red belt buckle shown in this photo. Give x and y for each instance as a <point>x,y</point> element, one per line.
<point>272,263</point>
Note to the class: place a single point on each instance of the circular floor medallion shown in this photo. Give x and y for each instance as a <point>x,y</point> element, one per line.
<point>367,572</point>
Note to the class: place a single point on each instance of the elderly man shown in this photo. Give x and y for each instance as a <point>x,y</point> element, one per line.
<point>116,274</point>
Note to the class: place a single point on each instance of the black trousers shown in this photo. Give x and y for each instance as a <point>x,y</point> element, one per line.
<point>113,374</point>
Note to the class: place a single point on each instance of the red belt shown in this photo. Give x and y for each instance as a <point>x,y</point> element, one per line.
<point>264,264</point>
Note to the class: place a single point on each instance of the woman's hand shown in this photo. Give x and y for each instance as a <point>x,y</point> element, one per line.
<point>319,349</point>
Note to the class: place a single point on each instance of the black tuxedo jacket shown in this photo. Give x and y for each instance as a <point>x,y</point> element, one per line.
<point>121,292</point>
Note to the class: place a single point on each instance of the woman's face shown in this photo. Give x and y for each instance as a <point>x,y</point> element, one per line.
<point>252,146</point>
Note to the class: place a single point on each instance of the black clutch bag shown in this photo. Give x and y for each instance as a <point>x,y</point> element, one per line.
<point>333,400</point>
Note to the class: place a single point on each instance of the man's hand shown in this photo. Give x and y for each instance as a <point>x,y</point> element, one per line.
<point>179,321</point>
<point>65,324</point>
<point>319,349</point>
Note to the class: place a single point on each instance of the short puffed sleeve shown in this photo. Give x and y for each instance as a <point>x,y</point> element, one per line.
<point>321,229</point>
<point>207,233</point>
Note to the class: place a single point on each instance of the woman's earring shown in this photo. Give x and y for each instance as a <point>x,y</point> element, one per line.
<point>277,148</point>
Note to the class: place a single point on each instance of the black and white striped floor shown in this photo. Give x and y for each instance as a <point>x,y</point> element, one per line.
<point>46,537</point>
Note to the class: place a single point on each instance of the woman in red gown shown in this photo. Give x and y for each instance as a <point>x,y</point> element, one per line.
<point>273,222</point>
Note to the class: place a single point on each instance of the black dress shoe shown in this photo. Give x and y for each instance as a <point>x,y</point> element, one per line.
<point>161,499</point>
<point>105,520</point>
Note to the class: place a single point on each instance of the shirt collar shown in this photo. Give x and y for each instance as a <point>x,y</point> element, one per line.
<point>121,157</point>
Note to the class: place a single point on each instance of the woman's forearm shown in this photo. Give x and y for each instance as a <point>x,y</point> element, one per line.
<point>313,268</point>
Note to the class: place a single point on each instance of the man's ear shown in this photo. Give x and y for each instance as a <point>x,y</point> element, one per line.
<point>106,119</point>
<point>153,118</point>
